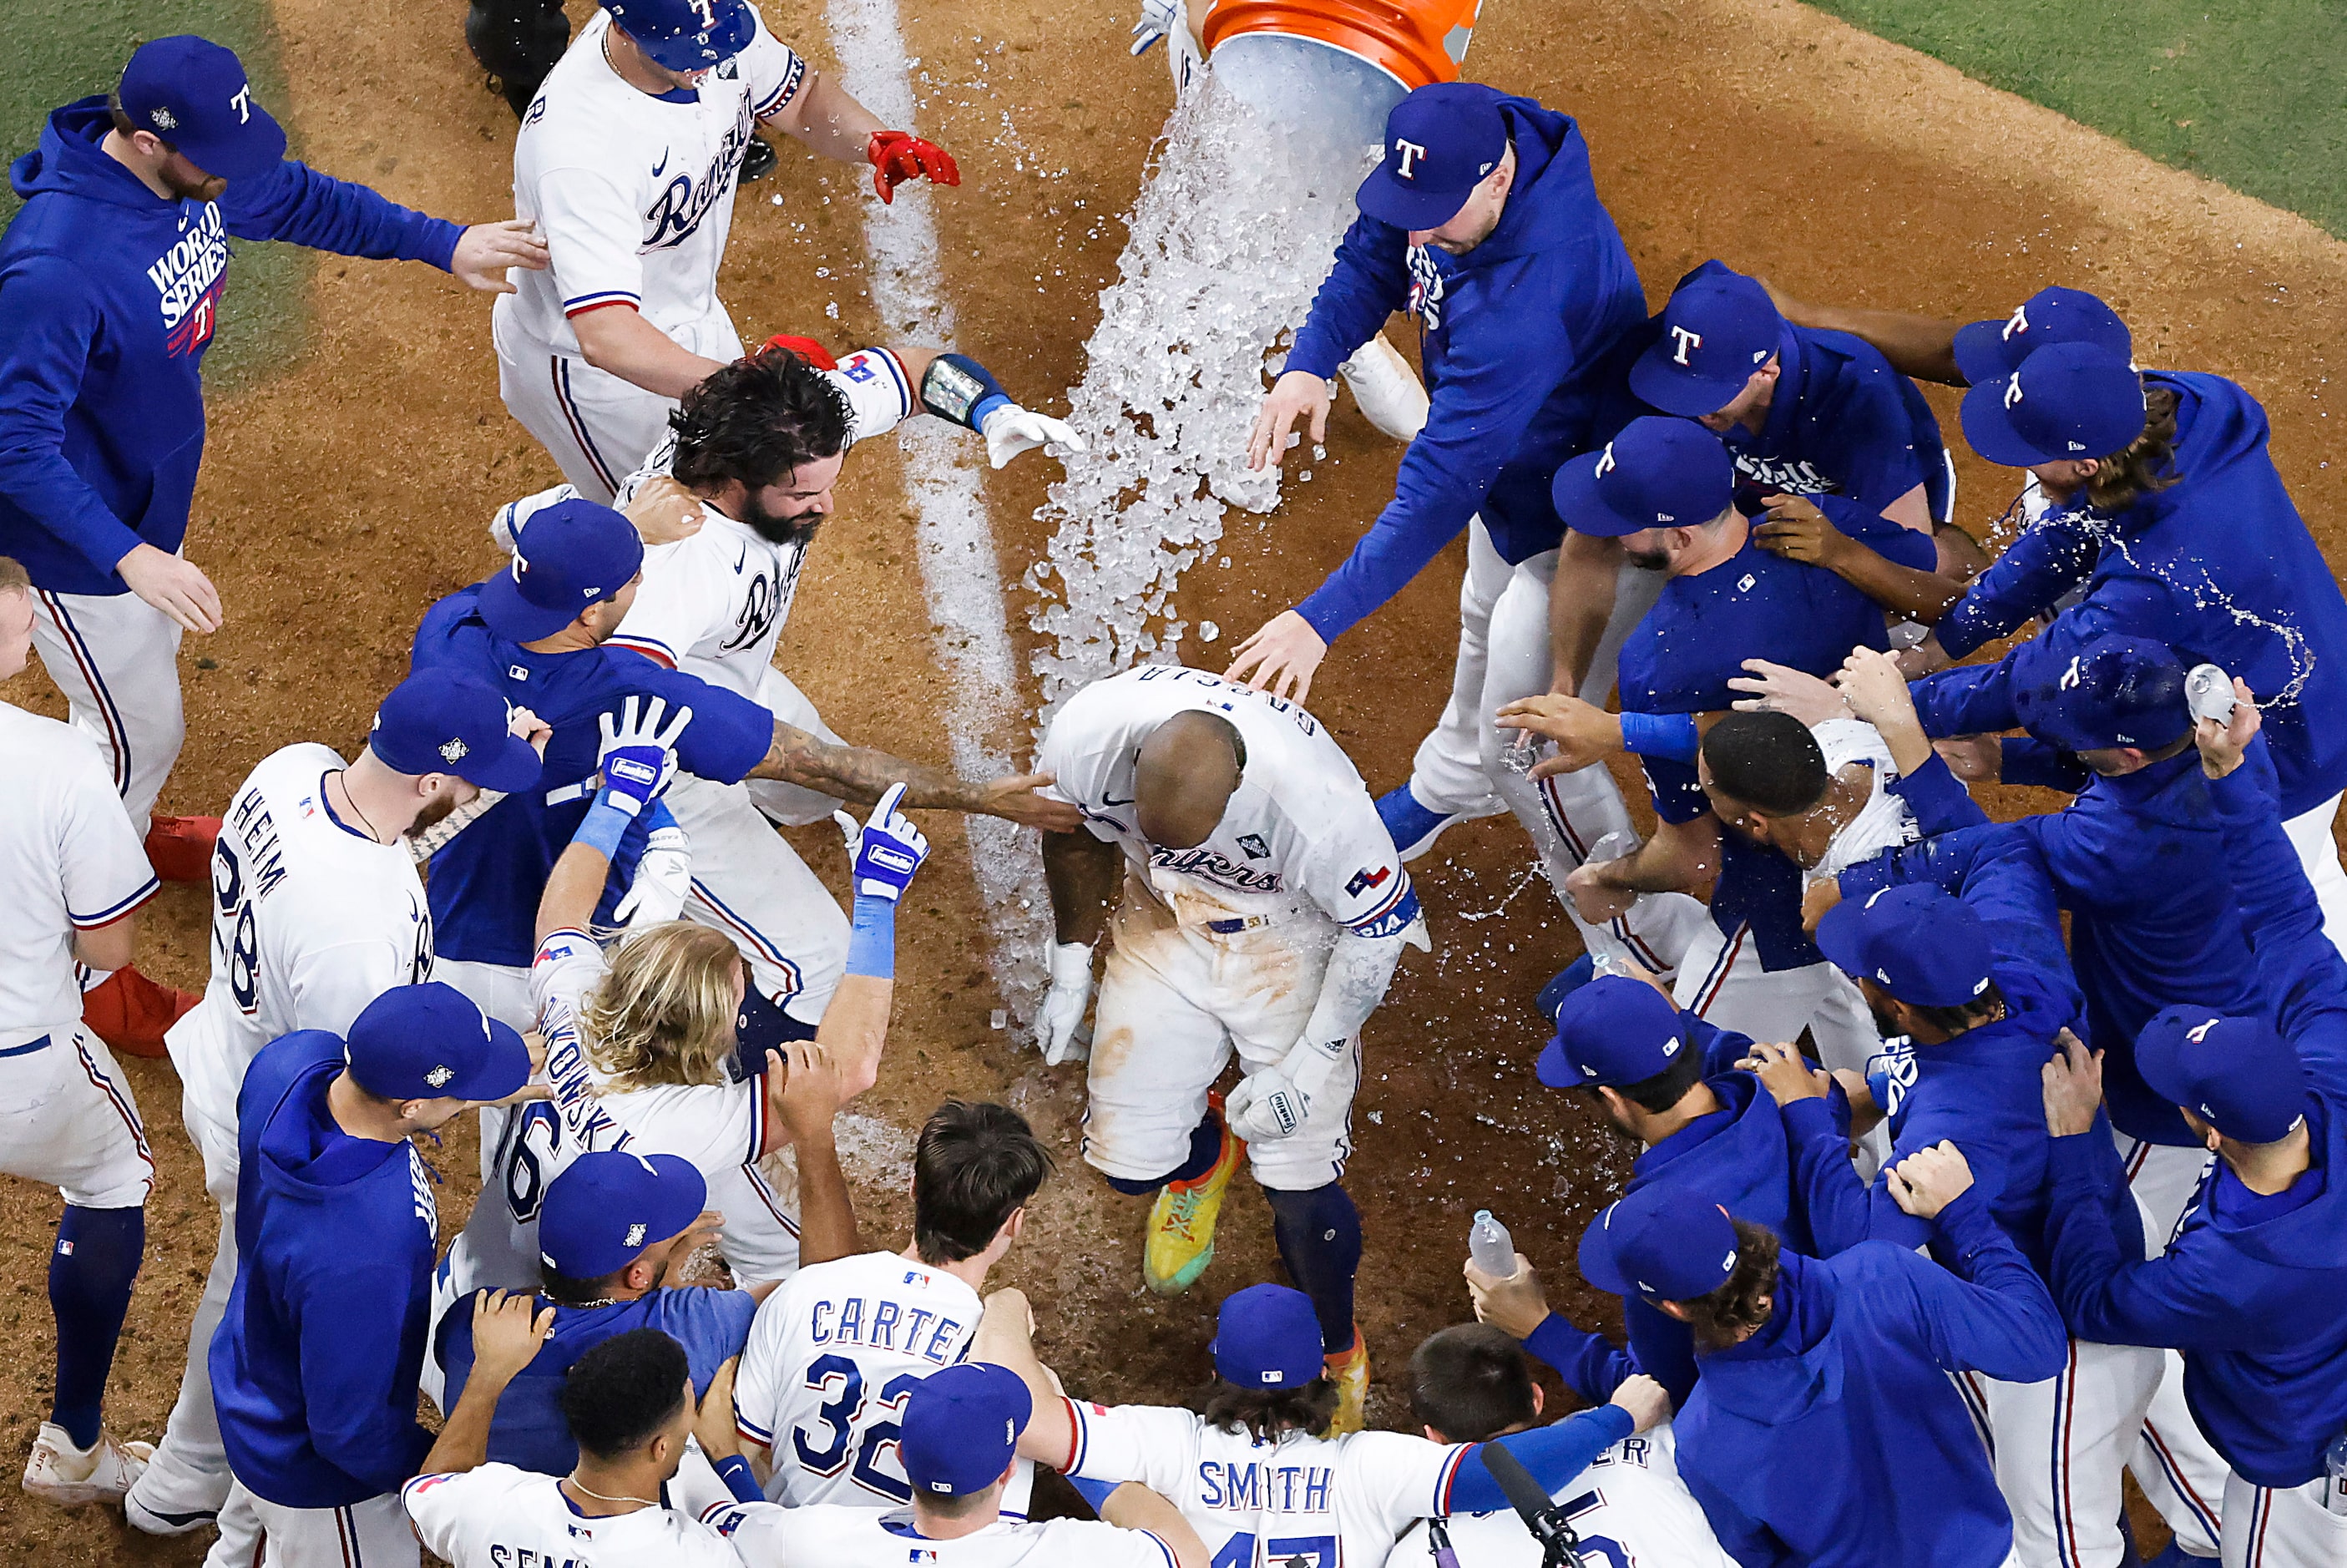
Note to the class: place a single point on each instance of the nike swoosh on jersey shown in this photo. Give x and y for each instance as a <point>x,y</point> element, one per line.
<point>1112,800</point>
<point>658,169</point>
<point>740,559</point>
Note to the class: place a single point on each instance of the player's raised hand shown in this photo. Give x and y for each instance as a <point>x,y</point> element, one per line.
<point>637,757</point>
<point>1582,733</point>
<point>1011,430</point>
<point>1279,657</point>
<point>897,156</point>
<point>664,878</point>
<point>485,250</point>
<point>1019,798</point>
<point>1785,1073</point>
<point>713,1418</point>
<point>1296,394</point>
<point>1871,683</point>
<point>1794,528</point>
<point>2072,1087</point>
<point>1780,689</point>
<point>818,1084</point>
<point>1929,1180</point>
<point>508,1331</point>
<point>1058,1022</point>
<point>176,587</point>
<point>1648,1402</point>
<point>885,850</point>
<point>1514,1306</point>
<point>2223,745</point>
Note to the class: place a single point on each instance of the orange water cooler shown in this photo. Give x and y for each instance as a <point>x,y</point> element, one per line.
<point>1350,58</point>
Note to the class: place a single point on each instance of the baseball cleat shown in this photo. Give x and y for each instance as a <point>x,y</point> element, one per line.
<point>1564,983</point>
<point>131,1013</point>
<point>149,1522</point>
<point>1388,392</point>
<point>179,848</point>
<point>71,1476</point>
<point>1181,1220</point>
<point>1412,827</point>
<point>1350,1370</point>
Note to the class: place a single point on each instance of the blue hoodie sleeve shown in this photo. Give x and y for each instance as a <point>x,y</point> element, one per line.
<point>1752,1543</point>
<point>1551,1454</point>
<point>2053,556</point>
<point>1991,1314</point>
<point>360,1422</point>
<point>1662,1346</point>
<point>1369,282</point>
<point>48,319</point>
<point>295,203</point>
<point>2027,759</point>
<point>1842,1211</point>
<point>1589,1364</point>
<point>1976,699</point>
<point>2115,1296</point>
<point>2300,973</point>
<point>1938,798</point>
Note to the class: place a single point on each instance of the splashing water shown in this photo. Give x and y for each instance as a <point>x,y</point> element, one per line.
<point>1232,232</point>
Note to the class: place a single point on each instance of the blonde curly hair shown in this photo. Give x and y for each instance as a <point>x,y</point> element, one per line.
<point>664,1012</point>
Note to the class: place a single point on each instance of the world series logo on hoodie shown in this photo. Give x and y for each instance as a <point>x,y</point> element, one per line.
<point>190,277</point>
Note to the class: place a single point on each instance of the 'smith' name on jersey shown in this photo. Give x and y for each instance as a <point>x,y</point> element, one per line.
<point>188,278</point>
<point>930,1335</point>
<point>1253,1486</point>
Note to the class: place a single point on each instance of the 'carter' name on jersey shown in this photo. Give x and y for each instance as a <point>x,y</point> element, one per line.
<point>859,1321</point>
<point>1254,1488</point>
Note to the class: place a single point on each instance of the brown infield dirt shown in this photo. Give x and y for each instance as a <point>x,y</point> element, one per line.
<point>342,499</point>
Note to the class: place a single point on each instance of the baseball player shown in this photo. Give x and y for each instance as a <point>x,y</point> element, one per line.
<point>1245,847</point>
<point>835,1352</point>
<point>629,1404</point>
<point>1825,1428</point>
<point>1748,967</point>
<point>112,274</point>
<point>73,879</point>
<point>1261,1475</point>
<point>2249,1285</point>
<point>626,161</point>
<point>1470,1383</point>
<point>758,447</point>
<point>315,1365</point>
<point>316,911</point>
<point>958,1441</point>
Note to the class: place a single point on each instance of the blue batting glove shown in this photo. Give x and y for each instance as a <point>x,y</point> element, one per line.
<point>886,849</point>
<point>637,757</point>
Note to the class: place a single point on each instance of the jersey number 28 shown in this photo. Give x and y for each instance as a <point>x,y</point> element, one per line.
<point>236,943</point>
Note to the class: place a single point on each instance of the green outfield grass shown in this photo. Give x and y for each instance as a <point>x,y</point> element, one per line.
<point>2250,92</point>
<point>58,51</point>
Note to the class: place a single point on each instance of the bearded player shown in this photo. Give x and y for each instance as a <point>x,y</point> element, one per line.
<point>1263,908</point>
<point>627,160</point>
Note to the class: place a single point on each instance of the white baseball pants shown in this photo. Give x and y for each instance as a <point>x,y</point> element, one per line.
<point>597,427</point>
<point>1461,768</point>
<point>67,1119</point>
<point>1174,1002</point>
<point>257,1533</point>
<point>116,658</point>
<point>188,1473</point>
<point>2285,1527</point>
<point>2318,852</point>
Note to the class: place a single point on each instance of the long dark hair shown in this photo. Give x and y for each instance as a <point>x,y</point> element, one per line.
<point>1729,1314</point>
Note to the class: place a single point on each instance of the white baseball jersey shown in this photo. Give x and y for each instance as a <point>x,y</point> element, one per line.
<point>1630,1508</point>
<point>1884,822</point>
<point>1298,1501</point>
<point>832,1357</point>
<point>720,1127</point>
<point>1299,834</point>
<point>312,921</point>
<point>70,860</point>
<point>827,1535</point>
<point>496,1516</point>
<point>634,192</point>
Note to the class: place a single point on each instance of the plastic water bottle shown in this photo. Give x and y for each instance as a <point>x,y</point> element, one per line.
<point>1490,1248</point>
<point>2334,1464</point>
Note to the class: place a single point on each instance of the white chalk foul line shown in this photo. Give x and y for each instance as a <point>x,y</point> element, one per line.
<point>960,579</point>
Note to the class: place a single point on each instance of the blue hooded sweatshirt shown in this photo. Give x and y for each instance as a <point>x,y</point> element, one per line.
<point>316,1363</point>
<point>2219,566</point>
<point>1511,335</point>
<point>1834,1438</point>
<point>2250,1287</point>
<point>108,297</point>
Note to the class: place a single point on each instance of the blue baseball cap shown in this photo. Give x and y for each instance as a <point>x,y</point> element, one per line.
<point>2234,1073</point>
<point>1656,474</point>
<point>1718,328</point>
<point>1267,1337</point>
<point>2113,691</point>
<point>1661,1242</point>
<point>567,556</point>
<point>1613,1031</point>
<point>1921,943</point>
<point>2072,400</point>
<point>685,35</point>
<point>194,94</point>
<point>1987,349</point>
<point>431,1042</point>
<point>609,1205</point>
<point>1441,142</point>
<point>445,722</point>
<point>961,1427</point>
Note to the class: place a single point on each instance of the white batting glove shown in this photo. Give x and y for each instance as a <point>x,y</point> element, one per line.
<point>1059,1023</point>
<point>1158,18</point>
<point>637,757</point>
<point>1266,1106</point>
<point>663,877</point>
<point>1010,430</point>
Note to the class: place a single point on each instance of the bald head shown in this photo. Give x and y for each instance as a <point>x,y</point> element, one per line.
<point>1185,774</point>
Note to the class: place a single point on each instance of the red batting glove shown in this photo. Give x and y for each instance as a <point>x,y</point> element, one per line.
<point>897,156</point>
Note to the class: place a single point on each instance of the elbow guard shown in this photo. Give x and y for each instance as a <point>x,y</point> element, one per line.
<point>960,391</point>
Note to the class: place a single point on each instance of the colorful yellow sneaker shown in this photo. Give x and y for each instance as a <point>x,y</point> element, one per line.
<point>1181,1220</point>
<point>1350,1370</point>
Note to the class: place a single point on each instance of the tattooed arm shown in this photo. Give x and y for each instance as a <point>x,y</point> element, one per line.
<point>860,774</point>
